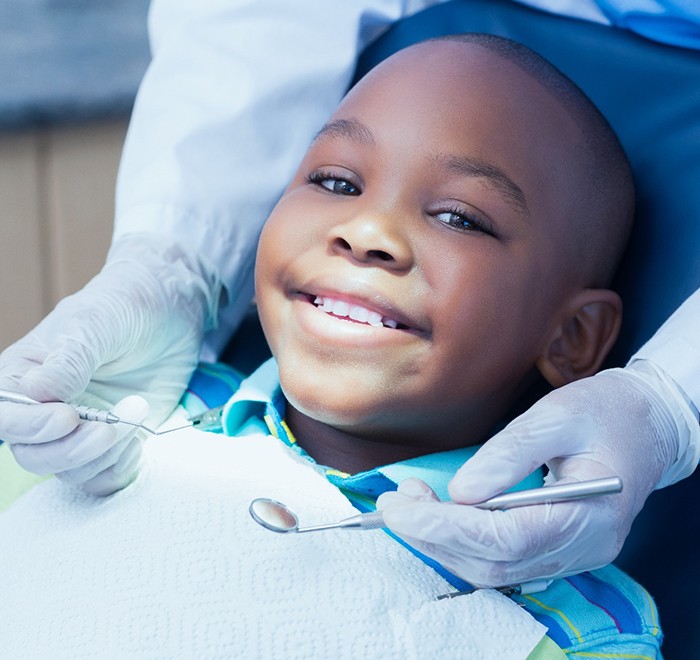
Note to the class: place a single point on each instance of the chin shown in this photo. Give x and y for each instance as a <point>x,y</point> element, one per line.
<point>335,411</point>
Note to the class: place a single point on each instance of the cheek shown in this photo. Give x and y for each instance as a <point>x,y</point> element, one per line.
<point>282,240</point>
<point>488,309</point>
<point>295,225</point>
<point>266,261</point>
<point>272,260</point>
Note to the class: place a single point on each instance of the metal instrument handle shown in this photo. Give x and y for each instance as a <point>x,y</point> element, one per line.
<point>96,415</point>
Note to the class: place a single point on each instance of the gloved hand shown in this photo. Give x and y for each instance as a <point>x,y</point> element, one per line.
<point>135,328</point>
<point>624,422</point>
<point>109,463</point>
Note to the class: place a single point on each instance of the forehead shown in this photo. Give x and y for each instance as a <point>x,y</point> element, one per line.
<point>461,99</point>
<point>458,84</point>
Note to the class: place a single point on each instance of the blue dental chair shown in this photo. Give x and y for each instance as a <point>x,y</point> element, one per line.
<point>650,93</point>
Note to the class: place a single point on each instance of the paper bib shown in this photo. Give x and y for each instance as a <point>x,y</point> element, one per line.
<point>175,567</point>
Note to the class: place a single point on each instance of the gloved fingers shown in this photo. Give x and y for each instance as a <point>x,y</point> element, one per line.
<point>55,361</point>
<point>496,535</point>
<point>530,441</point>
<point>35,424</point>
<point>476,571</point>
<point>110,481</point>
<point>133,408</point>
<point>116,477</point>
<point>63,374</point>
<point>409,490</point>
<point>444,524</point>
<point>18,358</point>
<point>577,468</point>
<point>417,489</point>
<point>87,471</point>
<point>577,554</point>
<point>118,468</point>
<point>88,441</point>
<point>108,473</point>
<point>499,547</point>
<point>121,452</point>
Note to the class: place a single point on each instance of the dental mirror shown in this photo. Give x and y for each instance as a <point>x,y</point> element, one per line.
<point>278,517</point>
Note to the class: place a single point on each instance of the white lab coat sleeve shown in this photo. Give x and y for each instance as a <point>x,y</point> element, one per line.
<point>235,92</point>
<point>675,352</point>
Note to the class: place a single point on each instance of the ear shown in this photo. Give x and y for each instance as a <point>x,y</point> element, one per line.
<point>583,336</point>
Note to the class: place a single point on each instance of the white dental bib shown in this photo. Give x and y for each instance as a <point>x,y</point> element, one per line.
<point>174,567</point>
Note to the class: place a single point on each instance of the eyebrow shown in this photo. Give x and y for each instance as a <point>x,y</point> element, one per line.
<point>351,129</point>
<point>470,167</point>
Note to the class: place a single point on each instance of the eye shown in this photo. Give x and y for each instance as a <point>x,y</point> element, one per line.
<point>334,183</point>
<point>464,220</point>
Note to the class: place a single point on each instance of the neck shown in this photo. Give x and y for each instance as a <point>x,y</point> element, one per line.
<point>344,451</point>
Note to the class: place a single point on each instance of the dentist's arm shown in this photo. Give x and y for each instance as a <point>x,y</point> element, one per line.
<point>640,423</point>
<point>234,94</point>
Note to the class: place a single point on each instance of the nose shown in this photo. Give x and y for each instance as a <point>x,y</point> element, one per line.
<point>374,240</point>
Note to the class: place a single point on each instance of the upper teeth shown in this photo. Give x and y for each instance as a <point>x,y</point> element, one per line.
<point>342,308</point>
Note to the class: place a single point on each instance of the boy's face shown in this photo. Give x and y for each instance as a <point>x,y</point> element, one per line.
<point>409,276</point>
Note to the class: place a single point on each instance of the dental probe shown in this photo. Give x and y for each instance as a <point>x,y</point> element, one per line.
<point>84,412</point>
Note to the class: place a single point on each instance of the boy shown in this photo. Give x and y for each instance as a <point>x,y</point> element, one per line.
<point>447,240</point>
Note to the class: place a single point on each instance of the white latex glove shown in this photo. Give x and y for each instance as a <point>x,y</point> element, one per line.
<point>115,468</point>
<point>624,422</point>
<point>135,328</point>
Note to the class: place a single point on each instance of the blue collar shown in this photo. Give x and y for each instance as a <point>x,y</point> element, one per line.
<point>259,406</point>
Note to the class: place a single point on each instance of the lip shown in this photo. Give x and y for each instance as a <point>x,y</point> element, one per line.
<point>368,298</point>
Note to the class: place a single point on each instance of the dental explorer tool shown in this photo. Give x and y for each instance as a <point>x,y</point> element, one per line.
<point>86,413</point>
<point>278,517</point>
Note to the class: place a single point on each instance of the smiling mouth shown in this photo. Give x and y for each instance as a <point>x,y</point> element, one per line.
<point>356,313</point>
